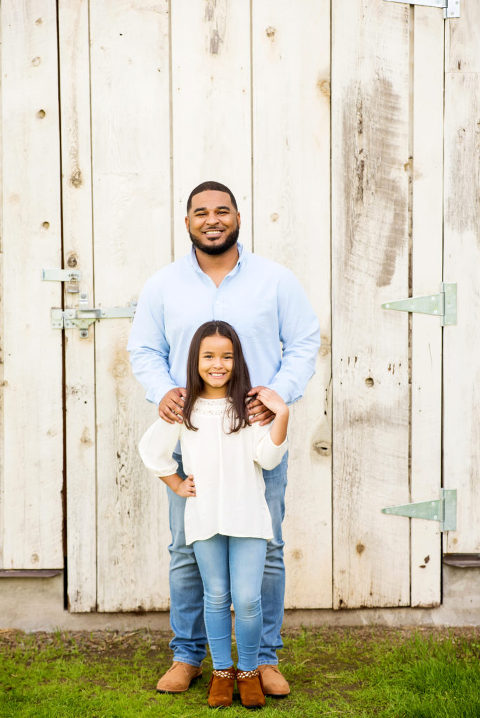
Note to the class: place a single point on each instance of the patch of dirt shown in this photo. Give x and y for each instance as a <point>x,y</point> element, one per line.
<point>319,643</point>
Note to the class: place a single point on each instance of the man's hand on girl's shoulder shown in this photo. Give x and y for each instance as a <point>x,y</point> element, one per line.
<point>257,409</point>
<point>170,408</point>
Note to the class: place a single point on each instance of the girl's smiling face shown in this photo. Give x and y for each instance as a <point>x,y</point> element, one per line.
<point>215,365</point>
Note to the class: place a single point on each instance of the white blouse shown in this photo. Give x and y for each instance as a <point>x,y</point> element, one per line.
<point>230,490</point>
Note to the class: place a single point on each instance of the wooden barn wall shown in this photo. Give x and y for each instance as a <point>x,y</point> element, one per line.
<point>327,119</point>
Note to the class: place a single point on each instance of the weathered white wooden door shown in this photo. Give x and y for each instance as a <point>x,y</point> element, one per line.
<point>387,117</point>
<point>151,105</point>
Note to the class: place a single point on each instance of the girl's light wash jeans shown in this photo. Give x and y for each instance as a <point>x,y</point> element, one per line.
<point>232,571</point>
<point>189,644</point>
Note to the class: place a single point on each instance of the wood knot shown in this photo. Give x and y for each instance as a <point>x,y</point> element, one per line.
<point>324,87</point>
<point>76,179</point>
<point>270,32</point>
<point>85,437</point>
<point>274,216</point>
<point>360,548</point>
<point>322,447</point>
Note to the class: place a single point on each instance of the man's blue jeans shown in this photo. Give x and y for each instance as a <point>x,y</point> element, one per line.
<point>232,572</point>
<point>186,587</point>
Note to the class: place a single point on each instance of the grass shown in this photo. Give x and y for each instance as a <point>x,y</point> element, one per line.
<point>357,673</point>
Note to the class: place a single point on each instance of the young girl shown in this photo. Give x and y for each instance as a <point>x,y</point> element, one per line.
<point>226,516</point>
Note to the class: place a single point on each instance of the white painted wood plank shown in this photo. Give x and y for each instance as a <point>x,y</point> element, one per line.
<point>132,230</point>
<point>79,353</point>
<point>33,431</point>
<point>370,122</point>
<point>2,323</point>
<point>461,263</point>
<point>427,251</point>
<point>291,159</point>
<point>211,105</point>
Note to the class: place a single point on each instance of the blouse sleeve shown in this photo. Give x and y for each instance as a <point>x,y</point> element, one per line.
<point>268,454</point>
<point>156,446</point>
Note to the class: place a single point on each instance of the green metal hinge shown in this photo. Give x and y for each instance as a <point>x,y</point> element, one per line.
<point>443,305</point>
<point>451,8</point>
<point>443,510</point>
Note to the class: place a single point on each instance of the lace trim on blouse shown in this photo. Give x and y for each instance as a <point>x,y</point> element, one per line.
<point>210,407</point>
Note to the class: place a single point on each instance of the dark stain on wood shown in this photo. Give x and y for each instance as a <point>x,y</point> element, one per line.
<point>376,196</point>
<point>462,152</point>
<point>210,10</point>
<point>215,40</point>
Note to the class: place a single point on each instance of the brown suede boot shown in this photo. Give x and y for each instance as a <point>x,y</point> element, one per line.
<point>220,688</point>
<point>250,688</point>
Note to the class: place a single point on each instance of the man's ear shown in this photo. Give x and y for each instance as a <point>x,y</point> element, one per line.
<point>187,223</point>
<point>238,219</point>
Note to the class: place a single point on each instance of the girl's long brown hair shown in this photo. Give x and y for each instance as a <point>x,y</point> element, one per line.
<point>238,386</point>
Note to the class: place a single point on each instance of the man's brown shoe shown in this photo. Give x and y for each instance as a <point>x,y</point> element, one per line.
<point>178,678</point>
<point>274,684</point>
<point>249,685</point>
<point>220,688</point>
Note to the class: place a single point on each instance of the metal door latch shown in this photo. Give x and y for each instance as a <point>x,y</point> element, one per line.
<point>451,8</point>
<point>82,316</point>
<point>70,276</point>
<point>443,510</point>
<point>443,305</point>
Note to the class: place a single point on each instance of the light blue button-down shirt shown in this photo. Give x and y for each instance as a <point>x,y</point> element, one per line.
<point>261,299</point>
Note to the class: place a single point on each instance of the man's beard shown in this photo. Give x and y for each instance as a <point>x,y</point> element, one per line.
<point>213,249</point>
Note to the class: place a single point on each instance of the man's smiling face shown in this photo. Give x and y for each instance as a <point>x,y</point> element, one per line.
<point>213,223</point>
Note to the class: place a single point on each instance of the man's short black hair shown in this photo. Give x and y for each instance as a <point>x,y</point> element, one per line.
<point>217,186</point>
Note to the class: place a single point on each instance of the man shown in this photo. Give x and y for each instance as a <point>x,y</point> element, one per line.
<point>279,332</point>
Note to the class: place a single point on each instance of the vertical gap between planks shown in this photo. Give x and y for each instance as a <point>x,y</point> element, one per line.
<point>252,165</point>
<point>170,120</point>
<point>332,403</point>
<point>411,143</point>
<point>62,292</point>
<point>93,301</point>
<point>443,538</point>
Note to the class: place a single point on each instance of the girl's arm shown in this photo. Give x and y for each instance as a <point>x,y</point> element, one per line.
<point>274,402</point>
<point>155,449</point>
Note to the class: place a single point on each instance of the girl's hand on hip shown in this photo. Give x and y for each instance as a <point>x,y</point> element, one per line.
<point>187,488</point>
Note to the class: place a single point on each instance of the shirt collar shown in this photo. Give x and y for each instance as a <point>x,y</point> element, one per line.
<point>240,261</point>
